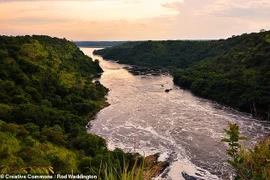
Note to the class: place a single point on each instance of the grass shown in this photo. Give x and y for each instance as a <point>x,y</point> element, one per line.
<point>138,171</point>
<point>248,163</point>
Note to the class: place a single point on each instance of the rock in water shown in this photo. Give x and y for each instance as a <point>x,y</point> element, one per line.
<point>168,90</point>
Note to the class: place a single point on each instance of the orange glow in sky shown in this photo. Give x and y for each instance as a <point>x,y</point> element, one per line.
<point>134,19</point>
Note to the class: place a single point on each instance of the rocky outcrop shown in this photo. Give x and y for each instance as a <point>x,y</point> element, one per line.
<point>168,90</point>
<point>153,167</point>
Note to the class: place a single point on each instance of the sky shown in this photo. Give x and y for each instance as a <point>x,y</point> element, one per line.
<point>134,19</point>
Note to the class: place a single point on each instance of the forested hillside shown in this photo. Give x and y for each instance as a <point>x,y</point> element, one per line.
<point>46,98</point>
<point>98,43</point>
<point>240,77</point>
<point>235,71</point>
<point>171,53</point>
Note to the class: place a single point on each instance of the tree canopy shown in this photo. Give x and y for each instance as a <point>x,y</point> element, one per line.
<point>46,98</point>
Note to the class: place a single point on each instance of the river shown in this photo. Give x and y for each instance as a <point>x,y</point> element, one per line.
<point>179,125</point>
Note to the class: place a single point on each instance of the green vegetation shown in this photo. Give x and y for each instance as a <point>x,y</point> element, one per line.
<point>174,54</point>
<point>248,163</point>
<point>98,43</point>
<point>46,98</point>
<point>143,168</point>
<point>234,71</point>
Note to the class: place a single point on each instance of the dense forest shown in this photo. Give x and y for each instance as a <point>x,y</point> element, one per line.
<point>235,71</point>
<point>46,98</point>
<point>98,43</point>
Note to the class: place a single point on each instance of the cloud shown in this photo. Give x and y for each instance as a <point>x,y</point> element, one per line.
<point>173,5</point>
<point>143,29</point>
<point>134,19</point>
<point>187,6</point>
<point>206,19</point>
<point>36,21</point>
<point>87,20</point>
<point>222,8</point>
<point>239,9</point>
<point>8,1</point>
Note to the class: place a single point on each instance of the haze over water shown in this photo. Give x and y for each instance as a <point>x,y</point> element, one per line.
<point>179,125</point>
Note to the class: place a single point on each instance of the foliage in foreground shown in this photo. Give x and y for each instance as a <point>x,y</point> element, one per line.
<point>26,150</point>
<point>127,172</point>
<point>142,168</point>
<point>248,163</point>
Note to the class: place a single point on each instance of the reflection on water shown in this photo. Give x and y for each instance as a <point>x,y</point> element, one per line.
<point>177,124</point>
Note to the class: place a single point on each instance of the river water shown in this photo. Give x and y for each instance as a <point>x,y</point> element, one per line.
<point>187,129</point>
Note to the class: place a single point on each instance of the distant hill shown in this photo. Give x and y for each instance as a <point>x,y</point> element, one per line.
<point>98,43</point>
<point>171,53</point>
<point>235,71</point>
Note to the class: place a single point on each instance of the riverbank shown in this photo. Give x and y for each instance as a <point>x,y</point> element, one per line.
<point>47,98</point>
